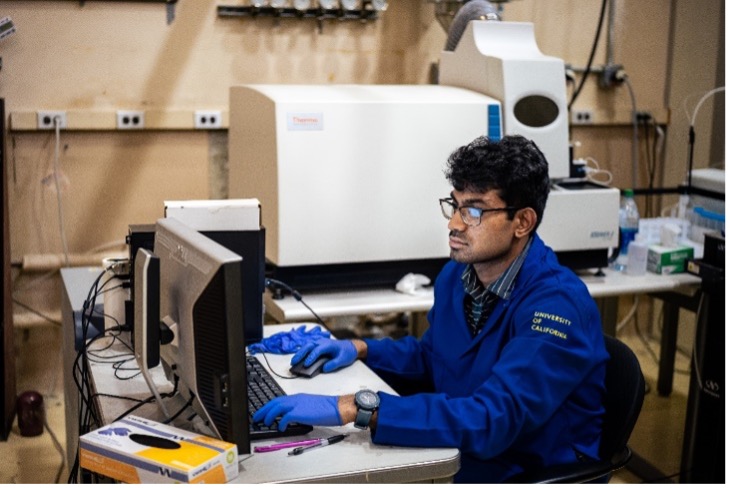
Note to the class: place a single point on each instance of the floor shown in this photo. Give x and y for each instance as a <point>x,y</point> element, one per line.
<point>657,437</point>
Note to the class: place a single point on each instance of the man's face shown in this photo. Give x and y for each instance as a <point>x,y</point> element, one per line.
<point>492,240</point>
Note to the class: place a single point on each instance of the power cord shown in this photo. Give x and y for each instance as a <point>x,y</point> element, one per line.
<point>272,283</point>
<point>274,372</point>
<point>595,173</point>
<point>591,56</point>
<point>58,447</point>
<point>86,412</point>
<point>57,183</point>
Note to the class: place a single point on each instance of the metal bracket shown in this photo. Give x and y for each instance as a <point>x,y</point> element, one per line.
<point>169,7</point>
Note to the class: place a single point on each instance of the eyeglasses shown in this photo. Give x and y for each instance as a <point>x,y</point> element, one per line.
<point>471,216</point>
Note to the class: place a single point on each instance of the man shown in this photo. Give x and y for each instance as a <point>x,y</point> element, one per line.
<point>514,355</point>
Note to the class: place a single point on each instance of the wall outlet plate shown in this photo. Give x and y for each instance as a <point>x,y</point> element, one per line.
<point>208,119</point>
<point>130,119</point>
<point>582,117</point>
<point>47,118</point>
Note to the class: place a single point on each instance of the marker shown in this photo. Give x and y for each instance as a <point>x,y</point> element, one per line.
<point>286,445</point>
<point>323,442</point>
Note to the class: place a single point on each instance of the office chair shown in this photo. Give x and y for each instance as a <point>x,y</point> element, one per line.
<point>624,399</point>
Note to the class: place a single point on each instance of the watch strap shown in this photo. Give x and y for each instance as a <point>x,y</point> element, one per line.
<point>362,420</point>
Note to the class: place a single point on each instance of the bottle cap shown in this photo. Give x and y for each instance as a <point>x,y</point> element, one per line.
<point>629,192</point>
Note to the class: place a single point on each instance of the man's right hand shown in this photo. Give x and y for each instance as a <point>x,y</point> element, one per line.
<point>342,352</point>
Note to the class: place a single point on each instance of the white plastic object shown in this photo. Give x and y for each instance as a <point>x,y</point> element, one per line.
<point>412,284</point>
<point>637,257</point>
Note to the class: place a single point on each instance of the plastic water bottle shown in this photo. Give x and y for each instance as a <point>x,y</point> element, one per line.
<point>628,222</point>
<point>638,256</point>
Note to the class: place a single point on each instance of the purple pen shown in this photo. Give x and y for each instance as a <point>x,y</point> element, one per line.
<point>285,445</point>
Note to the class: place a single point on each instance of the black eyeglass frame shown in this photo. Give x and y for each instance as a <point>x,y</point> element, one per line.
<point>471,211</point>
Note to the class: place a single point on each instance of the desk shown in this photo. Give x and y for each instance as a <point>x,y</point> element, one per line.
<point>673,290</point>
<point>384,300</point>
<point>355,460</point>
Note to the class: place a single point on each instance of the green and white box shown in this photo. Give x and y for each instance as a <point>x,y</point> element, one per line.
<point>668,260</point>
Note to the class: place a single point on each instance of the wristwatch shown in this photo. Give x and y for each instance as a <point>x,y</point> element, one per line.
<point>367,402</point>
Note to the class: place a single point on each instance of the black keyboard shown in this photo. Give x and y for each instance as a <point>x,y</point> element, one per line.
<point>262,387</point>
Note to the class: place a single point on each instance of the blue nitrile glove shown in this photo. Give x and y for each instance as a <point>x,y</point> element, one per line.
<point>342,352</point>
<point>288,342</point>
<point>302,408</point>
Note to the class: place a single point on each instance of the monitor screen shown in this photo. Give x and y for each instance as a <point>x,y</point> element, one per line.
<point>201,303</point>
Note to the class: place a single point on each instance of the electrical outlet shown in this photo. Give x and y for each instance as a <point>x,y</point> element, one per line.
<point>643,117</point>
<point>130,119</point>
<point>208,119</point>
<point>584,116</point>
<point>47,119</point>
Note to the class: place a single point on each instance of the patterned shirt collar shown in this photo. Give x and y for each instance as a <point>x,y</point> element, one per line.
<point>502,286</point>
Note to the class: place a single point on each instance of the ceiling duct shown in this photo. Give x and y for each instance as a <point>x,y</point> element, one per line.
<point>471,10</point>
<point>447,10</point>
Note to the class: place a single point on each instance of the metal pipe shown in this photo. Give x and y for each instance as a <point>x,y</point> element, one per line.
<point>609,33</point>
<point>34,263</point>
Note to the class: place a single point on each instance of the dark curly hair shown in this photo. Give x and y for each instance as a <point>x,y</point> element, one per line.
<point>514,166</point>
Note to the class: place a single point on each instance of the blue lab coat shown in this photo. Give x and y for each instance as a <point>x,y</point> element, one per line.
<point>526,392</point>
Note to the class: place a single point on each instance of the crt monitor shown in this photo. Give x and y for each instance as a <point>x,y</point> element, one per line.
<point>201,303</point>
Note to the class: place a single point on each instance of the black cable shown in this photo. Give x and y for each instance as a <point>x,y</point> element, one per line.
<point>297,296</point>
<point>274,372</point>
<point>184,407</point>
<point>590,58</point>
<point>80,373</point>
<point>147,400</point>
<point>116,397</point>
<point>690,155</point>
<point>650,141</point>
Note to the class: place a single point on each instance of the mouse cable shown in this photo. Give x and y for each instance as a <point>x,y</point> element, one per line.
<point>274,372</point>
<point>297,296</point>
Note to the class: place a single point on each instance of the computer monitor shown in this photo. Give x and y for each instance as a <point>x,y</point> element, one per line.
<point>201,303</point>
<point>146,332</point>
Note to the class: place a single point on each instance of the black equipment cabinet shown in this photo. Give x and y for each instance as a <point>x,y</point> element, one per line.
<point>703,450</point>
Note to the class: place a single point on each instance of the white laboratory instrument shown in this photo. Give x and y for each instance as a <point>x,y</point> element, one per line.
<point>349,176</point>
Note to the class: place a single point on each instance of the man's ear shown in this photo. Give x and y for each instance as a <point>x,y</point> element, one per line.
<point>526,219</point>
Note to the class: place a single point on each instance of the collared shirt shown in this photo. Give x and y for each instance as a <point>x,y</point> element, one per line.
<point>480,300</point>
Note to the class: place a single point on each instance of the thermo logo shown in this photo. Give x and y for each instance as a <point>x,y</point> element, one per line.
<point>305,121</point>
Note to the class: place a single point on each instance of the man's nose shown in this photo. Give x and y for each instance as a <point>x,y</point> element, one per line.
<point>456,222</point>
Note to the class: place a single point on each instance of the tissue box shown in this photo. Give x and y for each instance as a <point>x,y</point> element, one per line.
<point>137,450</point>
<point>668,260</point>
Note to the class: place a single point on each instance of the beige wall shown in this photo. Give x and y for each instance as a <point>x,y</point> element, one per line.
<point>94,59</point>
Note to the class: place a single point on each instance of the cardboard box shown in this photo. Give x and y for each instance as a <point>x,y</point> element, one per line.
<point>668,260</point>
<point>124,451</point>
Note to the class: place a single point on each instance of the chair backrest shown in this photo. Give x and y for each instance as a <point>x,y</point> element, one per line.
<point>624,397</point>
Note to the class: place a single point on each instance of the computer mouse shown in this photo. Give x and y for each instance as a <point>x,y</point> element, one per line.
<point>309,371</point>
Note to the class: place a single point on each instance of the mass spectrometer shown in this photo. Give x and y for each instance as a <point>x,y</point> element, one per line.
<point>349,176</point>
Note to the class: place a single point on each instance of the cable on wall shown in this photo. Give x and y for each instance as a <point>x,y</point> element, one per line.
<point>634,135</point>
<point>591,56</point>
<point>690,149</point>
<point>57,182</point>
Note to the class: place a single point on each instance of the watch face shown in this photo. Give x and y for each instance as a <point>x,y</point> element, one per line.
<point>367,399</point>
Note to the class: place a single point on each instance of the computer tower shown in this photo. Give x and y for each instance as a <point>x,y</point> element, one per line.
<point>250,245</point>
<point>703,450</point>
